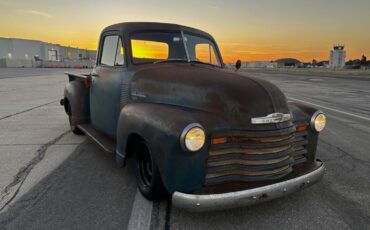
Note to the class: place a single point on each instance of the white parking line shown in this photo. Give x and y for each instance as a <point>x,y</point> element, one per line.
<point>141,213</point>
<point>335,110</point>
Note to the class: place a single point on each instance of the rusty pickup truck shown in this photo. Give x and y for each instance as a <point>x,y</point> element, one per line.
<point>207,136</point>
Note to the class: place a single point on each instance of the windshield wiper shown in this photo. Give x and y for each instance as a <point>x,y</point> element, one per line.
<point>171,60</point>
<point>200,62</point>
<point>183,60</point>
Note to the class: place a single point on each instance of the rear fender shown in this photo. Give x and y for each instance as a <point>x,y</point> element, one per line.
<point>77,96</point>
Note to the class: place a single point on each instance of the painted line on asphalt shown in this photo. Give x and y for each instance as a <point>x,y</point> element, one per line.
<point>328,108</point>
<point>27,110</point>
<point>141,213</point>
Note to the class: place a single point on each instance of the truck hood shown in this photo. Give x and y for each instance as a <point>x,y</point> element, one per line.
<point>235,98</point>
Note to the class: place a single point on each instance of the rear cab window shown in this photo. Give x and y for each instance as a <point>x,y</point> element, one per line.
<point>152,50</point>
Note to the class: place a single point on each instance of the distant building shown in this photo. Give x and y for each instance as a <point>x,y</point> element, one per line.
<point>260,64</point>
<point>31,53</point>
<point>337,57</point>
<point>288,62</point>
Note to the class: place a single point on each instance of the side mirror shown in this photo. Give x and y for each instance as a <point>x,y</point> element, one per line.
<point>238,64</point>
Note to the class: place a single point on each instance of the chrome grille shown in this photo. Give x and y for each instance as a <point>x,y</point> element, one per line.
<point>299,146</point>
<point>251,156</point>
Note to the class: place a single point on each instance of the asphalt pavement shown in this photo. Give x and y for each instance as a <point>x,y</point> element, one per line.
<point>51,179</point>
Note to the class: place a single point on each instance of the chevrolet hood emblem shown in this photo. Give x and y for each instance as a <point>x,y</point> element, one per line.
<point>271,118</point>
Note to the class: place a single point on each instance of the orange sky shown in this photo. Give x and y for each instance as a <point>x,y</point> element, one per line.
<point>244,29</point>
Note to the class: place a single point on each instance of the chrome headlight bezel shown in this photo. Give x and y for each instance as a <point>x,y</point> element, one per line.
<point>313,121</point>
<point>184,133</point>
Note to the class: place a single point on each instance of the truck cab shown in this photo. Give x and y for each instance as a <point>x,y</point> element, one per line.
<point>208,137</point>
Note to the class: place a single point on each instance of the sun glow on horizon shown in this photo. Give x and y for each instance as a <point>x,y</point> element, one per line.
<point>246,30</point>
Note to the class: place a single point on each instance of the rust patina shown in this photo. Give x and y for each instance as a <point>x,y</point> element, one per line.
<point>258,145</point>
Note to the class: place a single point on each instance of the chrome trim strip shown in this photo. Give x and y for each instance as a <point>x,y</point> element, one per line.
<point>271,118</point>
<point>212,202</point>
<point>101,145</point>
<point>136,94</point>
<point>120,154</point>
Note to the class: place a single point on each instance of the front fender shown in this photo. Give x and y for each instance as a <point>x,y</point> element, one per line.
<point>302,114</point>
<point>161,127</point>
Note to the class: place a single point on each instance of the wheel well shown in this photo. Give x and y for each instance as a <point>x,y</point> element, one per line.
<point>132,140</point>
<point>66,104</point>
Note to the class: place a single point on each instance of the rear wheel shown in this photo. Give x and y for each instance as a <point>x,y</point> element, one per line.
<point>148,178</point>
<point>74,128</point>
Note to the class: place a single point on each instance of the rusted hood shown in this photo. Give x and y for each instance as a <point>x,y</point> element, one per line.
<point>234,97</point>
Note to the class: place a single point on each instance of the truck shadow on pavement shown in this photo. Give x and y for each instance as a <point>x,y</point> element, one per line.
<point>87,191</point>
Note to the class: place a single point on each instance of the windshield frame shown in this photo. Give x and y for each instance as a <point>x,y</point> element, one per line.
<point>183,34</point>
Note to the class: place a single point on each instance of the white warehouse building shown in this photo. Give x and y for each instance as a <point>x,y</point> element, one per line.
<point>16,52</point>
<point>337,57</point>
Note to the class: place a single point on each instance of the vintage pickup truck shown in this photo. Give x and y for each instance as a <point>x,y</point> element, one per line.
<point>205,135</point>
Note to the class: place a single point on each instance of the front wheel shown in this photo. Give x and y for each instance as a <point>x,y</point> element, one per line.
<point>148,178</point>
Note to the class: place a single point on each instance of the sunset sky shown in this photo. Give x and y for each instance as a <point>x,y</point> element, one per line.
<point>245,29</point>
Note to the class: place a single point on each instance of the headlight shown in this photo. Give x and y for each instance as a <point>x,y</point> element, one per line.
<point>193,137</point>
<point>318,121</point>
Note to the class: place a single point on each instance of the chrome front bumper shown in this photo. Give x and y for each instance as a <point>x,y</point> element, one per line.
<point>212,202</point>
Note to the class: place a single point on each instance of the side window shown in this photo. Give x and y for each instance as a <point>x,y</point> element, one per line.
<point>205,53</point>
<point>120,54</point>
<point>108,55</point>
<point>113,52</point>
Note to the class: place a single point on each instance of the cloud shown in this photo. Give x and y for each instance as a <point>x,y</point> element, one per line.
<point>35,12</point>
<point>213,7</point>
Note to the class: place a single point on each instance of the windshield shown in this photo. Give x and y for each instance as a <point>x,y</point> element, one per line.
<point>156,47</point>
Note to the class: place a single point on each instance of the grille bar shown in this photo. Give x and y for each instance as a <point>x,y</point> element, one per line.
<point>250,151</point>
<point>299,147</point>
<point>273,139</point>
<point>241,178</point>
<point>247,162</point>
<point>248,173</point>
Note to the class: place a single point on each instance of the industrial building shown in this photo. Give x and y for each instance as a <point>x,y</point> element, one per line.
<point>337,57</point>
<point>260,64</point>
<point>280,63</point>
<point>16,52</point>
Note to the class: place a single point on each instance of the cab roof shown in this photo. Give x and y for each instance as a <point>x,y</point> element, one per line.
<point>130,27</point>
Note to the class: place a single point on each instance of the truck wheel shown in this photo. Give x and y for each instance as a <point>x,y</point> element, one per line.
<point>74,128</point>
<point>148,178</point>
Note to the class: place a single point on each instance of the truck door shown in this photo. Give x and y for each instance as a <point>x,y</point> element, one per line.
<point>105,89</point>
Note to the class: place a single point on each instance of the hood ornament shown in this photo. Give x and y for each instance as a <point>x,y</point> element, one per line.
<point>271,118</point>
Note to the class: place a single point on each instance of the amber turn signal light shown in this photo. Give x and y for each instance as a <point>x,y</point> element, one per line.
<point>219,140</point>
<point>301,128</point>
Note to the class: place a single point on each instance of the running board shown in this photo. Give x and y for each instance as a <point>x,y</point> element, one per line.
<point>106,143</point>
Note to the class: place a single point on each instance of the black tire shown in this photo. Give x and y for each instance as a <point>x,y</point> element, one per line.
<point>74,128</point>
<point>148,179</point>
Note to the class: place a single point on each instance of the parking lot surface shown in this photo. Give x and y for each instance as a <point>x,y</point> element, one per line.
<point>51,179</point>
